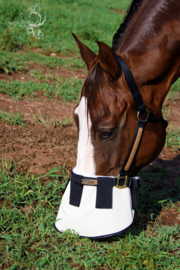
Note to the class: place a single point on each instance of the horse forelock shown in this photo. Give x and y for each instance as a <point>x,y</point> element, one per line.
<point>95,88</point>
<point>93,81</point>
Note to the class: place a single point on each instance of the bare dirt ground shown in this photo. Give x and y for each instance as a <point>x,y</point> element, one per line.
<point>25,75</point>
<point>43,146</point>
<point>39,148</point>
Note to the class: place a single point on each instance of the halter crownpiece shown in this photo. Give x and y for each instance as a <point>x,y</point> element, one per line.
<point>100,206</point>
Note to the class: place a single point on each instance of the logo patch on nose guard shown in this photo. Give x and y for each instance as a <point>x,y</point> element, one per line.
<point>89,182</point>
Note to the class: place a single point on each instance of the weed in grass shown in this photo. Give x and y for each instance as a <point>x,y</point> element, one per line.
<point>41,120</point>
<point>167,203</point>
<point>47,121</point>
<point>13,119</point>
<point>66,122</point>
<point>36,74</point>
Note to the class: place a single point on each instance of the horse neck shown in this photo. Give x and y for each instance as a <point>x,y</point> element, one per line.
<point>151,50</point>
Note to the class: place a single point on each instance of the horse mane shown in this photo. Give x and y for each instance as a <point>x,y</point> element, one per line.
<point>119,35</point>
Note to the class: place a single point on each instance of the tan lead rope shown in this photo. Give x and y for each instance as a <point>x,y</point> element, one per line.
<point>134,149</point>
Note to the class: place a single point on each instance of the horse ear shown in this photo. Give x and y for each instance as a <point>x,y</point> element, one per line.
<point>107,60</point>
<point>87,55</point>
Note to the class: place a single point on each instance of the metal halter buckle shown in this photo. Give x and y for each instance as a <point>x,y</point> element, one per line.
<point>125,181</point>
<point>147,116</point>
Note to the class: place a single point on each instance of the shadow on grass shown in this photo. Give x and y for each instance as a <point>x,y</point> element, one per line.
<point>160,189</point>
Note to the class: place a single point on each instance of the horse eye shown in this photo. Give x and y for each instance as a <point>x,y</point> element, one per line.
<point>106,135</point>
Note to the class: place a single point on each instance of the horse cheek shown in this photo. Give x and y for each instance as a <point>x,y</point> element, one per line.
<point>152,143</point>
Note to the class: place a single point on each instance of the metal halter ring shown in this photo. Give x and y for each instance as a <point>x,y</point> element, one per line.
<point>138,115</point>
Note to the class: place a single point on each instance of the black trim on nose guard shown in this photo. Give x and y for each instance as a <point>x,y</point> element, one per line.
<point>104,194</point>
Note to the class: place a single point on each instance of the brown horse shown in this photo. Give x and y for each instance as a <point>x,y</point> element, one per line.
<point>149,42</point>
<point>150,47</point>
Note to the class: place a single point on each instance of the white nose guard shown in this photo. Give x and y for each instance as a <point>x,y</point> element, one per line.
<point>97,207</point>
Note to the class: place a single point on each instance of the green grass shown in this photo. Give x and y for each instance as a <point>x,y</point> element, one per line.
<point>29,240</point>
<point>176,85</point>
<point>13,118</point>
<point>62,18</point>
<point>20,61</point>
<point>68,89</point>
<point>89,19</point>
<point>46,121</point>
<point>173,137</point>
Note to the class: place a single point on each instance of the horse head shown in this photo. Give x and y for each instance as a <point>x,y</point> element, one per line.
<point>106,118</point>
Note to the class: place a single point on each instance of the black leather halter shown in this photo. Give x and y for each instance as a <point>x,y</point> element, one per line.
<point>135,93</point>
<point>105,184</point>
<point>140,109</point>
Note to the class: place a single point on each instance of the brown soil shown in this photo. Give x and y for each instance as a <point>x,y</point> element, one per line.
<point>170,216</point>
<point>44,146</point>
<point>121,12</point>
<point>26,75</point>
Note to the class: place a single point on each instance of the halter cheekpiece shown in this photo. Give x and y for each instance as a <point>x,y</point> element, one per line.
<point>110,196</point>
<point>141,122</point>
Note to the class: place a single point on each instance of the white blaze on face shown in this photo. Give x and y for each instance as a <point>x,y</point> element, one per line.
<point>85,155</point>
